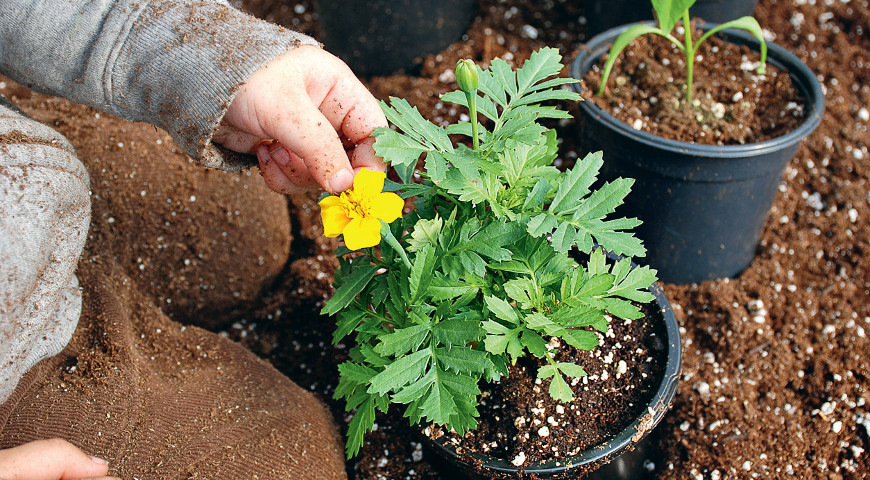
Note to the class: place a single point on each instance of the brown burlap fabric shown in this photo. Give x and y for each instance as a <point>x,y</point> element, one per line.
<point>163,401</point>
<point>157,399</point>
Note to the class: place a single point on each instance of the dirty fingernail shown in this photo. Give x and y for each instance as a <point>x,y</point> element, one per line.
<point>279,154</point>
<point>263,154</point>
<point>341,181</point>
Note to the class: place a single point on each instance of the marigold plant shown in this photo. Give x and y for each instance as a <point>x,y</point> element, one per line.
<point>483,270</point>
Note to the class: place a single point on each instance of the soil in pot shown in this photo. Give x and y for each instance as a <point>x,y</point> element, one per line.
<point>522,424</point>
<point>732,104</point>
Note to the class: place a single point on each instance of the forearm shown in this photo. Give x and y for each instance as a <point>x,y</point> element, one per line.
<point>174,64</point>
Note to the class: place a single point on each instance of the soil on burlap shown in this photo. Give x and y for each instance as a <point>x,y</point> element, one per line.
<point>774,378</point>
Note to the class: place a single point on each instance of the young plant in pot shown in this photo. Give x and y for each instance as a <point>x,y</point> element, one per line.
<point>498,271</point>
<point>706,123</point>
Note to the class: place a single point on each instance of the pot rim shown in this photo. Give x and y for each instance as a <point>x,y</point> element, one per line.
<point>806,82</point>
<point>655,410</point>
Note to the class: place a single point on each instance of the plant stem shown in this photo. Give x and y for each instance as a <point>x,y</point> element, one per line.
<point>690,56</point>
<point>387,234</point>
<point>472,112</point>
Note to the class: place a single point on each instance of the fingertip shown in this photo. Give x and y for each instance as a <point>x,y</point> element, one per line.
<point>364,156</point>
<point>340,182</point>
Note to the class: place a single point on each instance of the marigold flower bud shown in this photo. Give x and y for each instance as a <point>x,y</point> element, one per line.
<point>466,75</point>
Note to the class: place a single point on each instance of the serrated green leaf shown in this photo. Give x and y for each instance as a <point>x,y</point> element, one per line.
<point>576,183</point>
<point>472,262</point>
<point>495,328</point>
<point>410,121</point>
<point>462,359</point>
<point>547,371</point>
<point>572,369</point>
<point>635,283</point>
<point>504,75</point>
<point>438,404</point>
<point>415,390</point>
<point>352,286</point>
<point>436,167</point>
<point>457,331</point>
<point>371,357</point>
<point>347,322</point>
<point>536,196</point>
<point>425,232</point>
<point>534,343</point>
<point>622,308</point>
<point>514,347</point>
<point>490,241</point>
<point>355,372</point>
<point>360,424</point>
<point>446,289</point>
<point>541,224</point>
<point>564,237</point>
<point>560,390</point>
<point>582,339</point>
<point>402,340</point>
<point>484,106</point>
<point>542,64</point>
<point>403,371</point>
<point>576,338</point>
<point>522,291</point>
<point>604,201</point>
<point>545,95</point>
<point>421,272</point>
<point>501,309</point>
<point>397,149</point>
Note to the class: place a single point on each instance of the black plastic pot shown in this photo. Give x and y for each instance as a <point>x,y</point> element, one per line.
<point>603,15</point>
<point>624,450</point>
<point>380,37</point>
<point>703,206</point>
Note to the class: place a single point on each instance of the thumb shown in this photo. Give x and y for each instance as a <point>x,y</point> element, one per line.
<point>53,459</point>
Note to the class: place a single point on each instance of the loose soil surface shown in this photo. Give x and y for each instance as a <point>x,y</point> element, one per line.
<point>774,381</point>
<point>731,102</point>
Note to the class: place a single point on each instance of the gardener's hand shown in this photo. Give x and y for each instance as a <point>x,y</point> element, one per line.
<point>308,119</point>
<point>50,460</point>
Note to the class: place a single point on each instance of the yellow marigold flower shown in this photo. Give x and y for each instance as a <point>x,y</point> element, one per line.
<point>357,212</point>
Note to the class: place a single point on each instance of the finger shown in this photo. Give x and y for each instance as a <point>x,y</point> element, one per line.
<point>308,134</point>
<point>363,156</point>
<point>235,139</point>
<point>351,109</point>
<point>53,459</point>
<point>290,164</point>
<point>275,177</point>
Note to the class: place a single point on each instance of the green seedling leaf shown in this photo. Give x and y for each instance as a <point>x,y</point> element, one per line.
<point>749,24</point>
<point>668,12</point>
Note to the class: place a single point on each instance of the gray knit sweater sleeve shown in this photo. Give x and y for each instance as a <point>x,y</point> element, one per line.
<point>172,63</point>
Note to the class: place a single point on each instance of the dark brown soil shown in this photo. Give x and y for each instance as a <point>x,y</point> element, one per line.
<point>775,362</point>
<point>731,103</point>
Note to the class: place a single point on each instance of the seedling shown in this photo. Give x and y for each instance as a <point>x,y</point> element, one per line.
<point>667,13</point>
<point>479,273</point>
